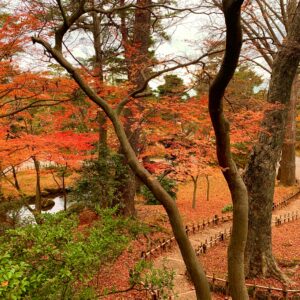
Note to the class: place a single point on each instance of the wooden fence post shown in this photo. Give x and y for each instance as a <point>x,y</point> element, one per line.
<point>254,292</point>
<point>284,293</point>
<point>227,287</point>
<point>269,293</point>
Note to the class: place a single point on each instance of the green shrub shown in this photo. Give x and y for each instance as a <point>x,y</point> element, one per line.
<point>56,261</point>
<point>13,278</point>
<point>99,182</point>
<point>161,280</point>
<point>168,184</point>
<point>227,208</point>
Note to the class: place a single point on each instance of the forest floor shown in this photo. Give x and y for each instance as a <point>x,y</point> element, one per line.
<point>286,241</point>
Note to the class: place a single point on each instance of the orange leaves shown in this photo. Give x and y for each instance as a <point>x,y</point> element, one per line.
<point>59,147</point>
<point>15,33</point>
<point>180,134</point>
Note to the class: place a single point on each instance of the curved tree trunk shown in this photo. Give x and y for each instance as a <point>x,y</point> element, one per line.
<point>260,172</point>
<point>238,290</point>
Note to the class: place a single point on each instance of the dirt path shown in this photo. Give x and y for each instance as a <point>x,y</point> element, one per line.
<point>173,260</point>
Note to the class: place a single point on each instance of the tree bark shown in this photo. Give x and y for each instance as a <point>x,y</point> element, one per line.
<point>288,157</point>
<point>261,170</point>
<point>16,178</point>
<point>127,193</point>
<point>97,45</point>
<point>38,196</point>
<point>195,183</point>
<point>231,10</point>
<point>102,144</point>
<point>141,42</point>
<point>64,191</point>
<point>258,28</point>
<point>207,188</point>
<point>136,56</point>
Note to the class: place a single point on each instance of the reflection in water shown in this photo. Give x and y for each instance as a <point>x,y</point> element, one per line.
<point>59,205</point>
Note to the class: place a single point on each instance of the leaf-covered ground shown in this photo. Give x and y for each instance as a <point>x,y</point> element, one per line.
<point>116,275</point>
<point>286,245</point>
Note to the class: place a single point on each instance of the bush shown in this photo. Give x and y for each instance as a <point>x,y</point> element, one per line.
<point>227,208</point>
<point>56,261</point>
<point>99,182</point>
<point>168,184</point>
<point>161,280</point>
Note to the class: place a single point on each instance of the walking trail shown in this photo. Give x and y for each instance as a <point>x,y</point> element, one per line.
<point>173,259</point>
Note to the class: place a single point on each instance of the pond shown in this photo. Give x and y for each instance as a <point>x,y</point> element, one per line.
<point>59,205</point>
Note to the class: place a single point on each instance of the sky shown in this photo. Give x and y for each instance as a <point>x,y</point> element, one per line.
<point>186,41</point>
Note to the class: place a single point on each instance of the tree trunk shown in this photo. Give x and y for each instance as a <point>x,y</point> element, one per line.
<point>102,144</point>
<point>136,54</point>
<point>261,170</point>
<point>16,178</point>
<point>288,157</point>
<point>188,254</point>
<point>231,10</point>
<point>38,197</point>
<point>141,42</point>
<point>98,64</point>
<point>97,45</point>
<point>195,183</point>
<point>127,192</point>
<point>64,191</point>
<point>207,188</point>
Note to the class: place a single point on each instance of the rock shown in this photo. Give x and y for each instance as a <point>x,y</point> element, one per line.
<point>47,204</point>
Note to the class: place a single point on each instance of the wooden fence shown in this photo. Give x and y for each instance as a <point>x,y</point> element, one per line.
<point>255,291</point>
<point>285,218</point>
<point>219,284</point>
<point>165,244</point>
<point>286,201</point>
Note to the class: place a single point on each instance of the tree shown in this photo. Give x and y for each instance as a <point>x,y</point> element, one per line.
<point>193,266</point>
<point>240,93</point>
<point>173,86</point>
<point>131,56</point>
<point>262,23</point>
<point>231,10</point>
<point>265,27</point>
<point>29,121</point>
<point>261,169</point>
